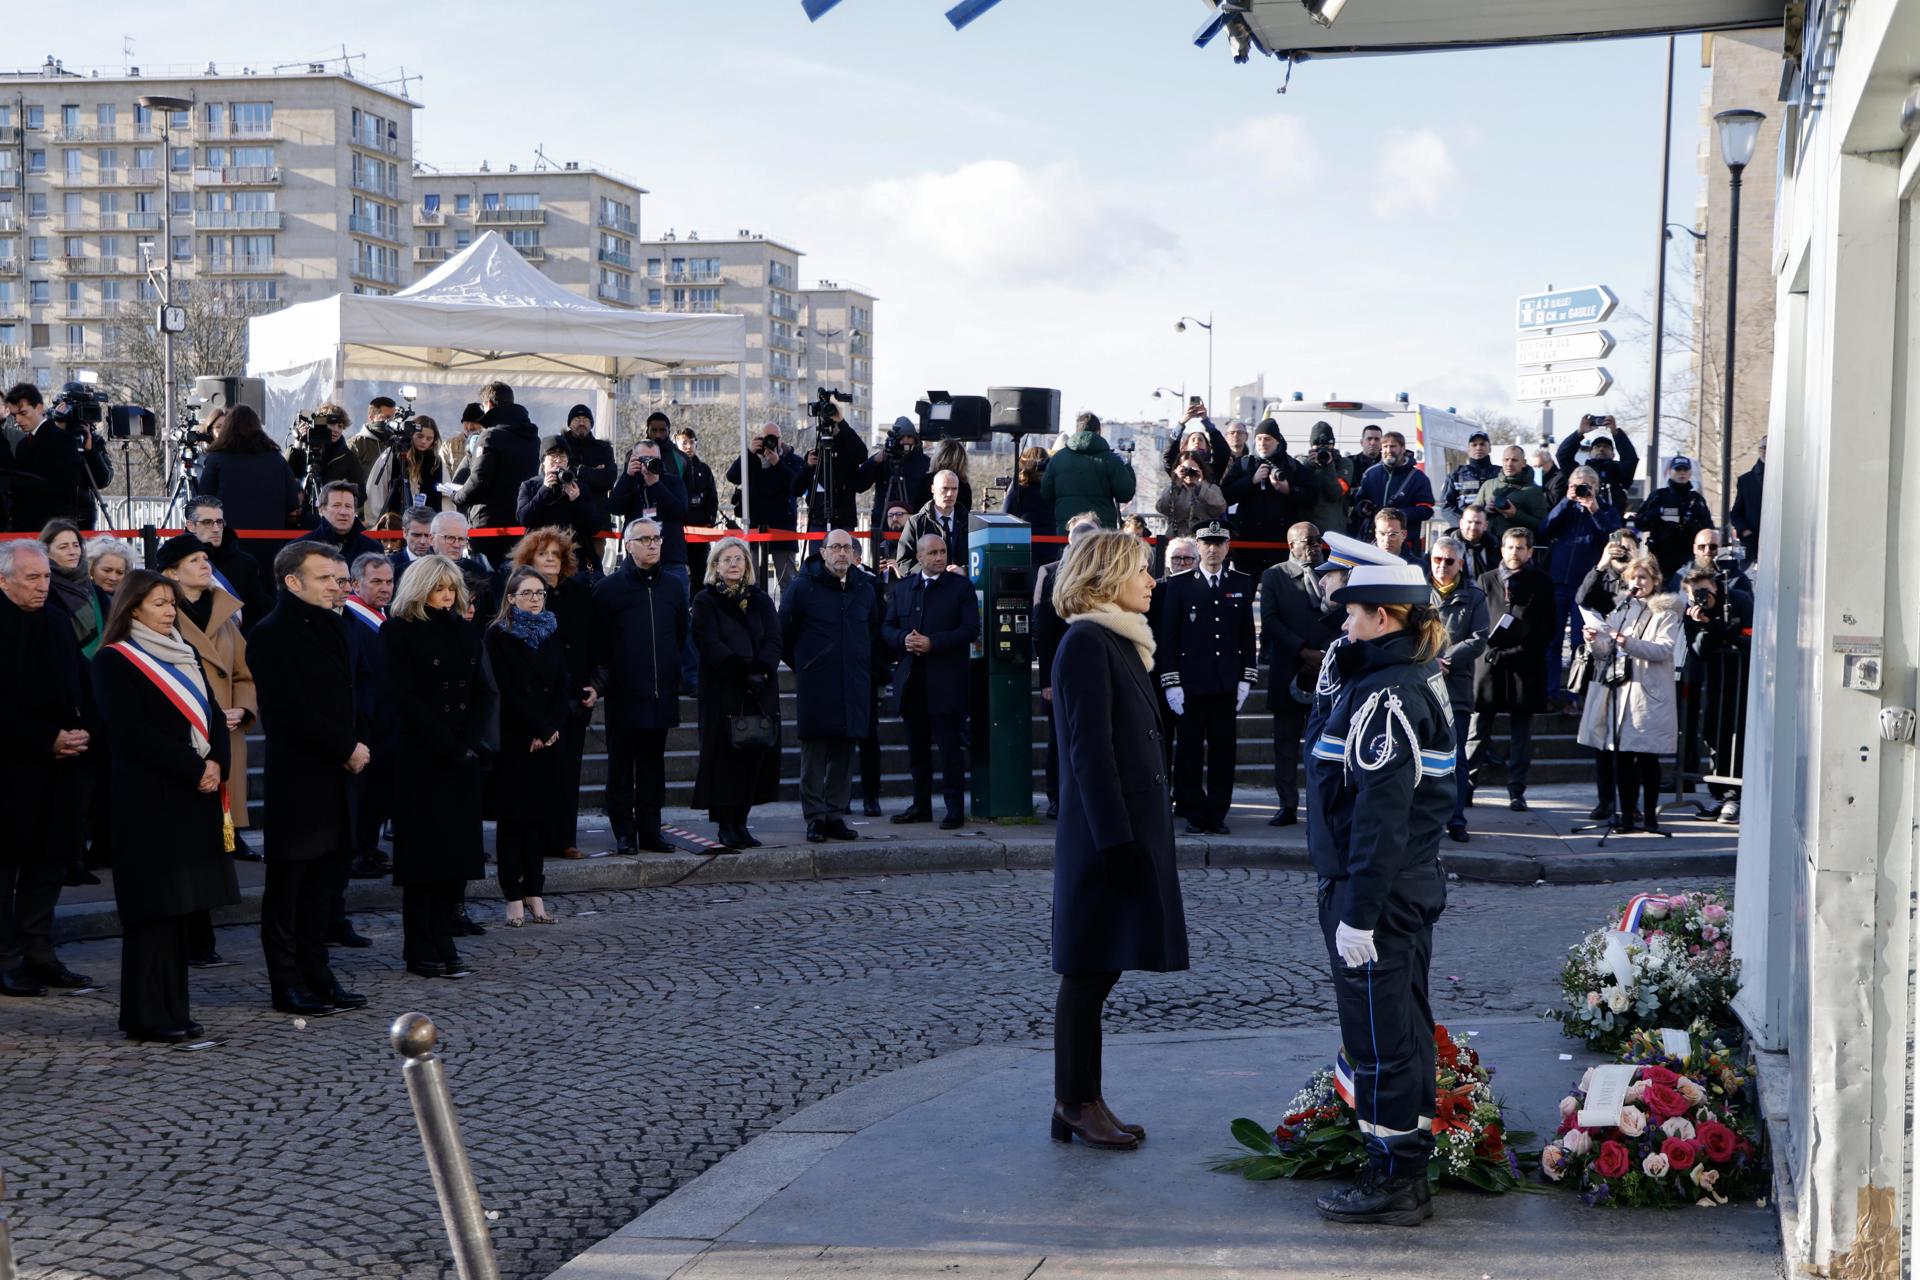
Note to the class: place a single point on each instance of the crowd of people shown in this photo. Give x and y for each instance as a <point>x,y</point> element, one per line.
<point>418,683</point>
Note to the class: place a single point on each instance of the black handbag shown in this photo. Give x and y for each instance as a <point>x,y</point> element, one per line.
<point>753,731</point>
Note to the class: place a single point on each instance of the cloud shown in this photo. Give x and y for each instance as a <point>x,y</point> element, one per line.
<point>1276,146</point>
<point>1415,173</point>
<point>995,221</point>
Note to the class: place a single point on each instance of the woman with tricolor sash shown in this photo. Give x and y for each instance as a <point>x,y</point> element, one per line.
<point>168,740</point>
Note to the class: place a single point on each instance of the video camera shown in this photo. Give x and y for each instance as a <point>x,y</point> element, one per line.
<point>822,410</point>
<point>188,436</point>
<point>81,406</point>
<point>394,431</point>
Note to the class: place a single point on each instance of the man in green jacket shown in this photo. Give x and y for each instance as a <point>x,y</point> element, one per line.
<point>1087,475</point>
<point>1512,498</point>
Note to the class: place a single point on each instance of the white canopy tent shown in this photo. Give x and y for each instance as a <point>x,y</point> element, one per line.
<point>485,315</point>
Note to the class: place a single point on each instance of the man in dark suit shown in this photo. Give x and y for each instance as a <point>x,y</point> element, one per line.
<point>1207,664</point>
<point>941,517</point>
<point>932,620</point>
<point>303,675</point>
<point>46,467</point>
<point>416,527</point>
<point>1047,631</point>
<point>1511,674</point>
<point>1296,626</point>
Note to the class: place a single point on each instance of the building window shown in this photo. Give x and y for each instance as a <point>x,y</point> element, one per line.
<point>216,117</point>
<point>183,248</point>
<point>110,291</point>
<point>461,239</point>
<point>39,293</point>
<point>433,239</point>
<point>107,158</point>
<point>144,157</point>
<point>430,203</point>
<point>521,200</point>
<point>653,297</point>
<point>105,114</point>
<point>253,117</point>
<point>70,118</point>
<point>654,386</point>
<point>36,248</point>
<point>490,200</point>
<point>36,204</point>
<point>523,237</point>
<point>180,159</point>
<point>36,117</point>
<point>75,247</point>
<point>36,162</point>
<point>71,206</point>
<point>182,203</point>
<point>463,204</point>
<point>653,266</point>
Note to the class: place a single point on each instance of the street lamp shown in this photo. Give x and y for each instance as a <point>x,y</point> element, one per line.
<point>1180,395</point>
<point>169,319</point>
<point>1180,326</point>
<point>1739,131</point>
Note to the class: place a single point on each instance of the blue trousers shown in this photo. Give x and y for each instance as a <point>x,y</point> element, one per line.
<point>1463,790</point>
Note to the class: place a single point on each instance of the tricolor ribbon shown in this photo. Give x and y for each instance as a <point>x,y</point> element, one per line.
<point>1636,909</point>
<point>366,613</point>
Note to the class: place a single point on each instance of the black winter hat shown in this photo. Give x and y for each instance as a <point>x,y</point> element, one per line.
<point>1268,427</point>
<point>176,549</point>
<point>579,411</point>
<point>1322,433</point>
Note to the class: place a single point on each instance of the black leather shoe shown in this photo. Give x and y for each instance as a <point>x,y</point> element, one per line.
<point>207,961</point>
<point>1195,829</point>
<point>871,808</point>
<point>624,846</point>
<point>1219,829</point>
<point>456,969</point>
<point>1404,1201</point>
<point>341,998</point>
<point>657,843</point>
<point>1599,813</point>
<point>729,837</point>
<point>1518,804</point>
<point>747,840</point>
<point>344,935</point>
<point>1284,818</point>
<point>58,975</point>
<point>194,1030</point>
<point>243,854</point>
<point>1628,821</point>
<point>299,1000</point>
<point>163,1035</point>
<point>1457,834</point>
<point>816,834</point>
<point>18,982</point>
<point>838,829</point>
<point>465,926</point>
<point>426,968</point>
<point>952,822</point>
<point>914,814</point>
<point>365,868</point>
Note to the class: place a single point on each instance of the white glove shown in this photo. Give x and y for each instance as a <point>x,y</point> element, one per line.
<point>1241,701</point>
<point>1354,945</point>
<point>1177,699</point>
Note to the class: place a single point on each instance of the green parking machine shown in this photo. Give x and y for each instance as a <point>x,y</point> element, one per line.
<point>1000,565</point>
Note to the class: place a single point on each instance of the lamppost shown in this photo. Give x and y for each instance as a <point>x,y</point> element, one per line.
<point>1180,326</point>
<point>169,319</point>
<point>1181,395</point>
<point>1739,131</point>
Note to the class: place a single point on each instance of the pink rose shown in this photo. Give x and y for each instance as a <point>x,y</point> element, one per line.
<point>1654,1166</point>
<point>1636,1091</point>
<point>1680,901</point>
<point>1593,999</point>
<point>1714,913</point>
<point>1632,1122</point>
<point>1692,1092</point>
<point>1569,1105</point>
<point>1721,946</point>
<point>1678,1127</point>
<point>1553,1163</point>
<point>1576,1142</point>
<point>1612,1161</point>
<point>1710,933</point>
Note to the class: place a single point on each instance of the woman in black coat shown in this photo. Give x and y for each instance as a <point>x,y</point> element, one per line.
<point>434,675</point>
<point>736,632</point>
<point>1116,899</point>
<point>168,775</point>
<point>1027,500</point>
<point>527,783</point>
<point>552,554</point>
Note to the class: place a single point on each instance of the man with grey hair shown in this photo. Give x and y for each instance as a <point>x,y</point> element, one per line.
<point>46,742</point>
<point>830,635</point>
<point>640,624</point>
<point>941,517</point>
<point>1048,630</point>
<point>449,534</point>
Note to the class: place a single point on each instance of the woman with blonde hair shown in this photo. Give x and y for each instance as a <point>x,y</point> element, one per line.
<point>736,632</point>
<point>1631,718</point>
<point>1116,898</point>
<point>109,560</point>
<point>441,700</point>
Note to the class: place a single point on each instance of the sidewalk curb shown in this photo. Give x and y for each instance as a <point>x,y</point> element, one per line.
<point>978,851</point>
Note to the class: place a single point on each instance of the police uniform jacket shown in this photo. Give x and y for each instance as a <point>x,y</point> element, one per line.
<point>446,716</point>
<point>1205,635</point>
<point>1381,777</point>
<point>1668,522</point>
<point>1463,484</point>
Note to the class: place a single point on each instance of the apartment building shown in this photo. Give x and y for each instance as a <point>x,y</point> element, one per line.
<point>578,223</point>
<point>280,188</point>
<point>838,345</point>
<point>746,274</point>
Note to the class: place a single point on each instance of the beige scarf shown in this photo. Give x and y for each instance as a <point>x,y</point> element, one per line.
<point>1131,627</point>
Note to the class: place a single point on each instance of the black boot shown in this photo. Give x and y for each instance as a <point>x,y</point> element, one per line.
<point>1392,1190</point>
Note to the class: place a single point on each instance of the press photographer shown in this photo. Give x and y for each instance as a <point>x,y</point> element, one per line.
<point>407,473</point>
<point>58,459</point>
<point>319,456</point>
<point>831,475</point>
<point>1265,488</point>
<point>1323,481</point>
<point>897,472</point>
<point>1609,452</point>
<point>768,469</point>
<point>559,497</point>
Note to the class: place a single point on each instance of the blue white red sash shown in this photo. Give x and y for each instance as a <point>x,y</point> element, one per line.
<point>366,613</point>
<point>227,587</point>
<point>183,694</point>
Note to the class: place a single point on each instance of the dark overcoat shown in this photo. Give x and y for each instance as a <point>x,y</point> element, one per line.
<point>1116,897</point>
<point>1511,674</point>
<point>525,785</point>
<point>947,614</point>
<point>639,625</point>
<point>829,631</point>
<point>303,677</point>
<point>735,644</point>
<point>1293,616</point>
<point>446,712</point>
<point>170,858</point>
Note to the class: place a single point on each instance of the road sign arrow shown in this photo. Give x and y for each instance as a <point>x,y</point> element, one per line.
<point>1564,384</point>
<point>1561,348</point>
<point>1589,304</point>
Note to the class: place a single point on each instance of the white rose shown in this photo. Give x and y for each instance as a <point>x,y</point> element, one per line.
<point>1654,1166</point>
<point>1576,1142</point>
<point>1586,1080</point>
<point>1633,1121</point>
<point>1692,1092</point>
<point>1679,1127</point>
<point>1636,1091</point>
<point>1654,910</point>
<point>1617,1000</point>
<point>1553,1163</point>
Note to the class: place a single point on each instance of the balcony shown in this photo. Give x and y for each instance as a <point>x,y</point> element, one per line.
<point>375,141</point>
<point>145,221</point>
<point>431,253</point>
<point>79,353</point>
<point>87,310</point>
<point>614,258</point>
<point>695,277</point>
<point>116,265</point>
<point>695,308</point>
<point>625,226</point>
<point>9,177</point>
<point>862,347</point>
<point>244,264</point>
<point>12,354</point>
<point>239,175</point>
<point>235,130</point>
<point>510,218</point>
<point>376,272</point>
<point>532,252</point>
<point>9,266</point>
<point>781,311</point>
<point>428,217</point>
<point>614,293</point>
<point>375,227</point>
<point>9,135</point>
<point>232,219</point>
<point>376,184</point>
<point>782,344</point>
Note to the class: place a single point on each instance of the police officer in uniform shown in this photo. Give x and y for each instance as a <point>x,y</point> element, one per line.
<point>1466,479</point>
<point>1381,777</point>
<point>1207,665</point>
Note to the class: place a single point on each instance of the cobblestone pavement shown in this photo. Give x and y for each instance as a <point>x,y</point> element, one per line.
<point>600,1063</point>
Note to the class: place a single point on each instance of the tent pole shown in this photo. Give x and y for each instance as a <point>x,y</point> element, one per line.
<point>746,496</point>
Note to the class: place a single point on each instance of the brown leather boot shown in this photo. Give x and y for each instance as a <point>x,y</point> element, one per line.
<point>1092,1124</point>
<point>1138,1131</point>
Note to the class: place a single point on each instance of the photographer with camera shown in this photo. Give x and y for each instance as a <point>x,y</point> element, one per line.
<point>558,497</point>
<point>1716,623</point>
<point>509,455</point>
<point>897,471</point>
<point>1577,529</point>
<point>1197,435</point>
<point>1716,557</point>
<point>1322,484</point>
<point>703,497</point>
<point>1192,500</point>
<point>1264,485</point>
<point>1396,482</point>
<point>1511,498</point>
<point>318,454</point>
<point>1609,452</point>
<point>767,471</point>
<point>1463,483</point>
<point>589,457</point>
<point>830,478</point>
<point>462,449</point>
<point>47,469</point>
<point>1630,719</point>
<point>408,473</point>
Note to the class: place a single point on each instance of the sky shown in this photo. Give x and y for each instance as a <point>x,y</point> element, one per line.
<point>1037,199</point>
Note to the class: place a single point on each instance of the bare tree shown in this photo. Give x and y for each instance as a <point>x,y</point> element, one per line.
<point>1502,428</point>
<point>214,343</point>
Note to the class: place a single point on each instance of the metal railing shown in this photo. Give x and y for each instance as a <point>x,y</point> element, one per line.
<point>375,141</point>
<point>531,252</point>
<point>431,252</point>
<point>611,294</point>
<point>781,311</point>
<point>239,264</point>
<point>372,271</point>
<point>236,129</point>
<point>233,219</point>
<point>695,277</point>
<point>415,1038</point>
<point>239,175</point>
<point>9,177</point>
<point>428,217</point>
<point>144,221</point>
<point>375,184</point>
<point>613,257</point>
<point>362,225</point>
<point>510,217</point>
<point>1712,715</point>
<point>625,226</point>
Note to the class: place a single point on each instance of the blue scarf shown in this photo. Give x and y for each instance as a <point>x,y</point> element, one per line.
<point>534,628</point>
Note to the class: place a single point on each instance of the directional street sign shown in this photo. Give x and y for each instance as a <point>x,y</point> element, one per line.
<point>1564,384</point>
<point>1563,307</point>
<point>1560,348</point>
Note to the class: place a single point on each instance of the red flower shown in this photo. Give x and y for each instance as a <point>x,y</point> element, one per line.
<point>1718,1141</point>
<point>1659,1075</point>
<point>1665,1102</point>
<point>1679,1153</point>
<point>1283,1134</point>
<point>1613,1160</point>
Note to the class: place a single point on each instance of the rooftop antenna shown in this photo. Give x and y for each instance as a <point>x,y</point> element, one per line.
<point>400,80</point>
<point>126,55</point>
<point>542,159</point>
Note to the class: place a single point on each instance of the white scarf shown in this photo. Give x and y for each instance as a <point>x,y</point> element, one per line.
<point>185,661</point>
<point>1128,626</point>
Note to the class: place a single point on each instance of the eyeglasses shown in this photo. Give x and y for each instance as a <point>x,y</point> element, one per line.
<point>451,540</point>
<point>1183,559</point>
<point>529,593</point>
<point>214,523</point>
<point>1446,559</point>
<point>644,537</point>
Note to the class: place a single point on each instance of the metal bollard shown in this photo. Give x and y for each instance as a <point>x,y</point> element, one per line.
<point>414,1038</point>
<point>6,1235</point>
